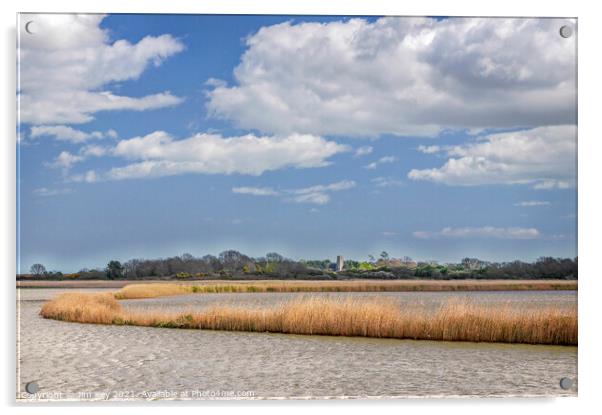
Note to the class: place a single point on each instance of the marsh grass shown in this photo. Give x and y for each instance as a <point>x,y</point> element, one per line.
<point>367,317</point>
<point>134,291</point>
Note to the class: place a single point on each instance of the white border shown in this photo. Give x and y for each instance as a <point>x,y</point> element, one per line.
<point>590,152</point>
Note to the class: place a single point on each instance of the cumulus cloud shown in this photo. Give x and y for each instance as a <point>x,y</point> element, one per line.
<point>66,69</point>
<point>382,160</point>
<point>94,151</point>
<point>543,157</point>
<point>66,160</point>
<point>401,76</point>
<point>158,154</point>
<point>66,133</point>
<point>318,195</point>
<point>480,232</point>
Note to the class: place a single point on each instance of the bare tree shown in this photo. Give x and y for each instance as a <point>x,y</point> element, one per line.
<point>37,269</point>
<point>274,257</point>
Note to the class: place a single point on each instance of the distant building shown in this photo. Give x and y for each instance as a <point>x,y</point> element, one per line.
<point>340,263</point>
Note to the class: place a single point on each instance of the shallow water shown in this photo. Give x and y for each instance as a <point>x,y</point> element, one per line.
<point>519,299</point>
<point>75,361</point>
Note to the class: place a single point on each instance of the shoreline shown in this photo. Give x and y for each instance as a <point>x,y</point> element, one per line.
<point>321,285</point>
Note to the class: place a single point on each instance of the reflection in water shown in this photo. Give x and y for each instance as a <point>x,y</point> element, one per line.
<point>75,358</point>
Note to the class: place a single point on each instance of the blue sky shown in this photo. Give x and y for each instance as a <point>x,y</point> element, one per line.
<point>154,135</point>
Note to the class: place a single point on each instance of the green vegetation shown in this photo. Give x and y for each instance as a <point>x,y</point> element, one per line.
<point>183,275</point>
<point>114,270</point>
<point>235,265</point>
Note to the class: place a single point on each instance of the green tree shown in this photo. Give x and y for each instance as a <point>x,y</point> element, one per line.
<point>365,266</point>
<point>114,270</point>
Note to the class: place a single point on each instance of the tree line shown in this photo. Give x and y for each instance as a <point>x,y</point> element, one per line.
<point>234,264</point>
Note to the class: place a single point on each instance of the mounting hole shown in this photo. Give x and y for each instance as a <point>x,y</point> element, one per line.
<point>566,31</point>
<point>32,387</point>
<point>566,383</point>
<point>29,27</point>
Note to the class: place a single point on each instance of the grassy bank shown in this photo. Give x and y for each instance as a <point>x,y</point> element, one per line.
<point>134,291</point>
<point>454,321</point>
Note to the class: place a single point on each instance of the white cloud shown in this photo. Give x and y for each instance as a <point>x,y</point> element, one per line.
<point>88,177</point>
<point>429,149</point>
<point>68,65</point>
<point>44,191</point>
<point>94,151</point>
<point>66,160</point>
<point>363,151</point>
<point>255,191</point>
<point>66,133</point>
<point>402,76</point>
<point>158,154</point>
<point>386,182</point>
<point>318,195</point>
<point>333,187</point>
<point>315,198</point>
<point>531,203</point>
<point>543,157</point>
<point>382,160</point>
<point>480,232</point>
<point>552,184</point>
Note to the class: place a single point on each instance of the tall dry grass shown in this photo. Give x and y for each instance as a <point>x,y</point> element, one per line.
<point>368,317</point>
<point>134,291</point>
<point>98,308</point>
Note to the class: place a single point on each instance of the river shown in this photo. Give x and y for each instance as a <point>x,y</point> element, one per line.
<point>70,361</point>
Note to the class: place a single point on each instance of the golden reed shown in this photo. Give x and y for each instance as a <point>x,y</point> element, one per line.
<point>368,317</point>
<point>152,290</point>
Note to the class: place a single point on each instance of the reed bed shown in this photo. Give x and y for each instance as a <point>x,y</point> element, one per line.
<point>366,317</point>
<point>134,291</point>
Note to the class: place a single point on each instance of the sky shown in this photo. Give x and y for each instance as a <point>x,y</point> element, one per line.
<point>146,136</point>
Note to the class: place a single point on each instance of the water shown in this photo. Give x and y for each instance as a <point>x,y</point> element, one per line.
<point>75,361</point>
<point>521,299</point>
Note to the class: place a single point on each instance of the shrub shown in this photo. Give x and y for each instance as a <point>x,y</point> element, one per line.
<point>183,275</point>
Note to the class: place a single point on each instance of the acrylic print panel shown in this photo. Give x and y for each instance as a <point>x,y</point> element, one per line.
<point>244,207</point>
